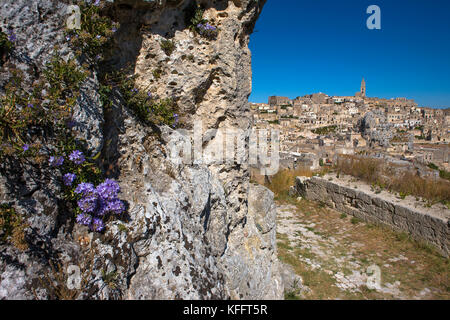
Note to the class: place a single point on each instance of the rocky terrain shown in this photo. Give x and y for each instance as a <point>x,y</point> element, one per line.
<point>191,231</point>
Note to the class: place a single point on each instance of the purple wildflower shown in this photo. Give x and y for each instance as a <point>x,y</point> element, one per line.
<point>68,179</point>
<point>108,190</point>
<point>98,225</point>
<point>114,29</point>
<point>149,94</point>
<point>135,90</point>
<point>30,105</point>
<point>210,27</point>
<point>56,161</point>
<point>68,38</point>
<point>84,219</point>
<point>98,36</point>
<point>11,36</point>
<point>116,206</point>
<point>175,117</point>
<point>25,147</point>
<point>88,204</point>
<point>85,189</point>
<point>207,30</point>
<point>77,157</point>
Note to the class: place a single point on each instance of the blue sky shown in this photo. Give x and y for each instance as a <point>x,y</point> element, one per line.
<point>306,46</point>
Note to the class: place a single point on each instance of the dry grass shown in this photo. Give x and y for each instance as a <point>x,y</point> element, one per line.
<point>12,228</point>
<point>392,178</point>
<point>281,182</point>
<point>56,281</point>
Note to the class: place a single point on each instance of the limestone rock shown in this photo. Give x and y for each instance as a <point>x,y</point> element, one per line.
<point>194,230</point>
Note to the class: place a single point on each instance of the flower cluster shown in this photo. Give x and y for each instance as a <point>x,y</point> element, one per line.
<point>11,36</point>
<point>207,30</point>
<point>175,120</point>
<point>56,161</point>
<point>77,157</point>
<point>97,202</point>
<point>69,178</point>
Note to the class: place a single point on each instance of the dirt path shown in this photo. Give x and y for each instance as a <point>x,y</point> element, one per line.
<point>336,255</point>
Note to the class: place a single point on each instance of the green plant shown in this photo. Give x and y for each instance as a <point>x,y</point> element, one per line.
<point>343,216</point>
<point>110,278</point>
<point>168,46</point>
<point>325,130</point>
<point>199,25</point>
<point>194,16</point>
<point>122,228</point>
<point>147,108</point>
<point>402,236</point>
<point>95,34</point>
<point>6,46</point>
<point>355,220</point>
<point>24,114</point>
<point>403,195</point>
<point>157,73</point>
<point>65,78</point>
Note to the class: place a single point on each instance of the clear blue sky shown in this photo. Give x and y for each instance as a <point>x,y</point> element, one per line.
<point>306,46</point>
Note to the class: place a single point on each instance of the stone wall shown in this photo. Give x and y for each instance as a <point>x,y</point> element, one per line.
<point>355,198</point>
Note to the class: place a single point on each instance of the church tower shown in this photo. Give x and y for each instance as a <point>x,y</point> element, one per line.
<point>363,88</point>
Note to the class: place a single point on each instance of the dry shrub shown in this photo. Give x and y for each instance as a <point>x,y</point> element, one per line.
<point>280,183</point>
<point>56,281</point>
<point>390,177</point>
<point>12,228</point>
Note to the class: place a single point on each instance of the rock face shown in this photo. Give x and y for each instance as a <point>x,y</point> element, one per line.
<point>194,230</point>
<point>427,224</point>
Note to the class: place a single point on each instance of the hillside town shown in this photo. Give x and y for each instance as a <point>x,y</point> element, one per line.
<point>316,128</point>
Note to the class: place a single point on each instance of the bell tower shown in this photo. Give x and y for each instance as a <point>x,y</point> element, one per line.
<point>363,88</point>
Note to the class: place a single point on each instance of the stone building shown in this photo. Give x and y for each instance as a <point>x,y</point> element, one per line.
<point>279,101</point>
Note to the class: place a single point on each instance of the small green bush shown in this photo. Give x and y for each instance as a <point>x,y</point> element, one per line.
<point>6,46</point>
<point>168,46</point>
<point>199,25</point>
<point>45,110</point>
<point>355,220</point>
<point>148,108</point>
<point>157,73</point>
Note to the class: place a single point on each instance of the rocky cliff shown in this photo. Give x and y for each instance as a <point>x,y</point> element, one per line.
<point>191,230</point>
